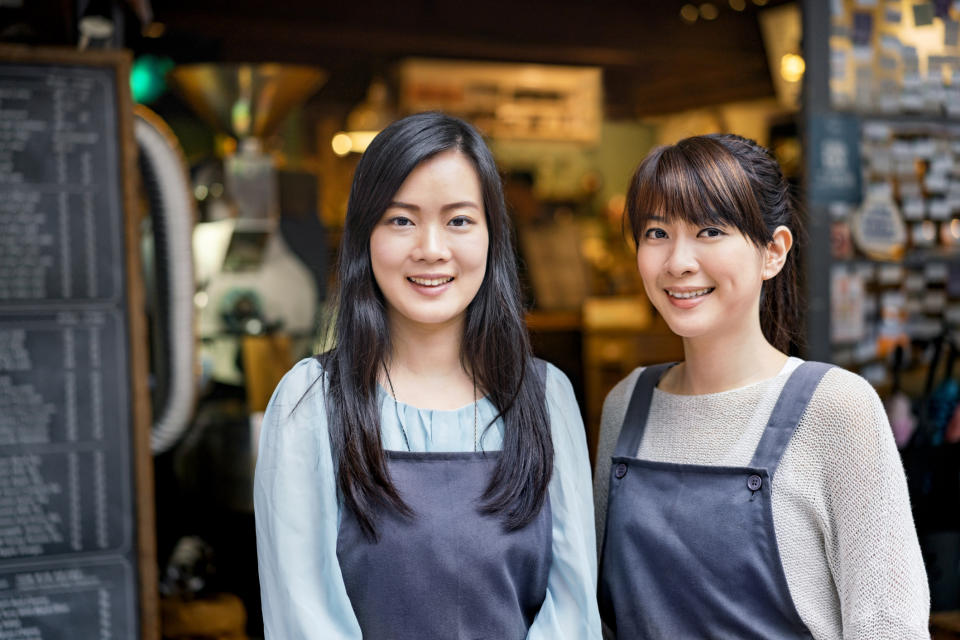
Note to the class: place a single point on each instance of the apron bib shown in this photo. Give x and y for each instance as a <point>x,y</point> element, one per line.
<point>449,571</point>
<point>690,550</point>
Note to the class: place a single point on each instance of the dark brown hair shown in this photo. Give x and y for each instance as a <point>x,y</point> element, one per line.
<point>495,346</point>
<point>724,179</point>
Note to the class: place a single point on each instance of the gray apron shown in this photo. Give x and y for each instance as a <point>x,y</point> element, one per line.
<point>449,571</point>
<point>690,550</point>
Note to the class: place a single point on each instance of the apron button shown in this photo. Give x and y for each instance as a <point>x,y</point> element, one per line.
<point>621,470</point>
<point>754,482</point>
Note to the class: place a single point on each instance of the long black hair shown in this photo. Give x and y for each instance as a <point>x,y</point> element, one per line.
<point>495,345</point>
<point>731,180</point>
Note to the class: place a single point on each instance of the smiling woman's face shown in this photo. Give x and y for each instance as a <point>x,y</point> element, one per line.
<point>429,249</point>
<point>704,281</point>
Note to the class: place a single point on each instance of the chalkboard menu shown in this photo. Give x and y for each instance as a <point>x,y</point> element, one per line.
<point>75,523</point>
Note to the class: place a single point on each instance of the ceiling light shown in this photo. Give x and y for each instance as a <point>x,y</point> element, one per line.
<point>792,67</point>
<point>365,121</point>
<point>689,13</point>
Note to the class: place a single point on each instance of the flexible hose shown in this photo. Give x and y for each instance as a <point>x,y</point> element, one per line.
<point>167,184</point>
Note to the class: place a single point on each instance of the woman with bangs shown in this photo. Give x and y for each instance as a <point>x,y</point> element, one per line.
<point>426,477</point>
<point>742,492</point>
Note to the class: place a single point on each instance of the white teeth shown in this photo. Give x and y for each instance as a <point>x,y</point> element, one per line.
<point>430,282</point>
<point>683,295</point>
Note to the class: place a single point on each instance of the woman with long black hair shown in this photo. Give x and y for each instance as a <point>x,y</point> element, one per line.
<point>744,493</point>
<point>426,477</point>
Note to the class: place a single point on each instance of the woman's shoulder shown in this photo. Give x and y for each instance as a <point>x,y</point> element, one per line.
<point>555,377</point>
<point>293,430</point>
<point>840,390</point>
<point>615,404</point>
<point>561,400</point>
<point>304,381</point>
<point>845,404</point>
<point>558,390</point>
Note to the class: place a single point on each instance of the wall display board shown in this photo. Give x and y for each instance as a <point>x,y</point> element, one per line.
<point>77,557</point>
<point>895,56</point>
<point>883,264</point>
<point>885,86</point>
<point>911,204</point>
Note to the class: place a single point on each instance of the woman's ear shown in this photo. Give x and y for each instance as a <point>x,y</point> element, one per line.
<point>776,252</point>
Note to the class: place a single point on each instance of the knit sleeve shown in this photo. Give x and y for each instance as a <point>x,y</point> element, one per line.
<point>611,420</point>
<point>869,535</point>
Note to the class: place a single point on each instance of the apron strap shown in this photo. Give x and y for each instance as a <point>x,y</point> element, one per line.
<point>635,420</point>
<point>786,414</point>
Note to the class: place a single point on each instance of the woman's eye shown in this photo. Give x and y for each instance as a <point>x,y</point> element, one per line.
<point>711,232</point>
<point>460,221</point>
<point>655,233</point>
<point>400,221</point>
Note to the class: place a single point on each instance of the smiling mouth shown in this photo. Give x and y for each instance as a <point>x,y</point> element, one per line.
<point>686,295</point>
<point>430,282</point>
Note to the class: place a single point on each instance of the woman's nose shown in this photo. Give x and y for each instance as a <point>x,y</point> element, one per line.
<point>432,244</point>
<point>682,259</point>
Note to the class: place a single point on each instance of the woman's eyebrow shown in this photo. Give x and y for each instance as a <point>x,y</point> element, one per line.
<point>460,205</point>
<point>447,207</point>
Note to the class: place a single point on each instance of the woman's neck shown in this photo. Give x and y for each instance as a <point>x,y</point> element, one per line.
<point>713,365</point>
<point>425,367</point>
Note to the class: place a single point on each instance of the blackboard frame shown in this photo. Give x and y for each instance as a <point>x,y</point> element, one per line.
<point>120,64</point>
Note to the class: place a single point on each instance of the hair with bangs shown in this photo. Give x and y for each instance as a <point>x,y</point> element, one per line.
<point>495,346</point>
<point>725,179</point>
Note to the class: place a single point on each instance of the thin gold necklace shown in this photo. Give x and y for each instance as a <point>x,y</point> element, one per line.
<point>396,409</point>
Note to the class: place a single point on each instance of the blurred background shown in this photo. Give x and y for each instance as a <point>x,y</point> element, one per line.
<point>250,118</point>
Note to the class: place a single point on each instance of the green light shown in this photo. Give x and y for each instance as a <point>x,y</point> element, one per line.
<point>240,116</point>
<point>148,77</point>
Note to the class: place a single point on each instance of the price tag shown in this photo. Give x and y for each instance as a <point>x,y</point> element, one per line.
<point>951,29</point>
<point>902,150</point>
<point>839,210</point>
<point>875,373</point>
<point>881,161</point>
<point>942,162</point>
<point>935,301</point>
<point>952,314</point>
<point>846,305</point>
<point>936,182</point>
<point>936,272</point>
<point>888,274</point>
<point>923,234</point>
<point>877,131</point>
<point>915,283</point>
<point>865,351</point>
<point>910,189</point>
<point>923,14</point>
<point>924,148</point>
<point>890,42</point>
<point>888,103</point>
<point>866,270</point>
<point>912,82</point>
<point>914,209</point>
<point>940,209</point>
<point>921,328</point>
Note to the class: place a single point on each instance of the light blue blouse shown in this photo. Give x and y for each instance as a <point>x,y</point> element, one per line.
<point>298,510</point>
